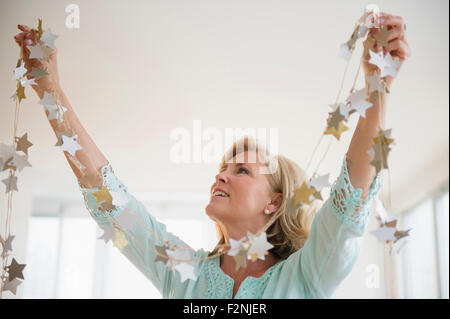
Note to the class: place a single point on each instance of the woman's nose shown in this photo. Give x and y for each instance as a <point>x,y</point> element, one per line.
<point>221,177</point>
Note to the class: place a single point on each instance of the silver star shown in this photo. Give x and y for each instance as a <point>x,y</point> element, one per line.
<point>377,59</point>
<point>108,233</point>
<point>344,52</point>
<point>186,271</point>
<point>390,66</point>
<point>20,71</point>
<point>358,101</point>
<point>20,161</point>
<point>48,38</point>
<point>36,51</point>
<point>47,100</point>
<point>70,144</point>
<point>11,183</point>
<point>384,233</point>
<point>11,285</point>
<point>7,244</point>
<point>37,73</point>
<point>320,182</point>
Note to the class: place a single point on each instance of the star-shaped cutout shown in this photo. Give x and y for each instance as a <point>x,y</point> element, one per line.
<point>47,100</point>
<point>36,51</point>
<point>49,38</point>
<point>11,285</point>
<point>23,144</point>
<point>108,234</point>
<point>358,101</point>
<point>102,195</point>
<point>119,198</point>
<point>15,270</point>
<point>320,182</point>
<point>186,271</point>
<point>334,119</point>
<point>384,234</point>
<point>37,73</point>
<point>236,246</point>
<point>67,133</point>
<point>390,66</point>
<point>336,133</point>
<point>70,144</point>
<point>302,194</point>
<point>7,244</point>
<point>377,59</point>
<point>161,254</point>
<point>20,92</point>
<point>11,183</point>
<point>20,161</point>
<point>27,82</point>
<point>177,256</point>
<point>259,246</point>
<point>344,52</point>
<point>19,72</point>
<point>343,109</point>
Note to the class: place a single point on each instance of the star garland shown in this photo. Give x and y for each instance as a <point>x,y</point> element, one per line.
<point>180,259</point>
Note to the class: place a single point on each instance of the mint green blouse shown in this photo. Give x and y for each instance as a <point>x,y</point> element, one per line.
<point>314,271</point>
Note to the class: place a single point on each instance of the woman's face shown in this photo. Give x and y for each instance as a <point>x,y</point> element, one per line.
<point>248,195</point>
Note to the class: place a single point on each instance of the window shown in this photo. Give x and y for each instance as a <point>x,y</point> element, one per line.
<point>66,260</point>
<point>425,258</point>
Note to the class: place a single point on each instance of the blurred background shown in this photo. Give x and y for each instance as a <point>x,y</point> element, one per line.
<point>136,71</point>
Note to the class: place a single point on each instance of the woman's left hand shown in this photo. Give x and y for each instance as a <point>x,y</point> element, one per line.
<point>397,45</point>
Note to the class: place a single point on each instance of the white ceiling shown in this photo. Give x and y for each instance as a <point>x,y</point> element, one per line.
<point>136,70</point>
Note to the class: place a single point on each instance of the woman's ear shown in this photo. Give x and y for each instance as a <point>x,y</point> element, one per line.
<point>275,204</point>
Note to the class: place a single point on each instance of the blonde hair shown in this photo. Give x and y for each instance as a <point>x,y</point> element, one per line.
<point>288,228</point>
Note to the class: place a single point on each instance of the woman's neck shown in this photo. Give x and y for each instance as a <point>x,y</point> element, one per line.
<point>253,268</point>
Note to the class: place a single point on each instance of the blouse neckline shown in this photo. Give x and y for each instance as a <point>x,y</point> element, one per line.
<point>249,280</point>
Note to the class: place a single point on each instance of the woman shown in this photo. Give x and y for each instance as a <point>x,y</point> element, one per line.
<point>311,252</point>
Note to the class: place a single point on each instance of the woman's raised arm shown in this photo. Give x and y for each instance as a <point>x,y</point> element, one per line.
<point>90,155</point>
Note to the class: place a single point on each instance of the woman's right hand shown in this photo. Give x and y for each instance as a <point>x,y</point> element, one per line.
<point>49,83</point>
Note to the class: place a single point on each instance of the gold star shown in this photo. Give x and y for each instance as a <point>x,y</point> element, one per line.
<point>103,195</point>
<point>318,195</point>
<point>23,144</point>
<point>120,241</point>
<point>302,194</point>
<point>335,118</point>
<point>382,36</point>
<point>336,133</point>
<point>20,92</point>
<point>39,28</point>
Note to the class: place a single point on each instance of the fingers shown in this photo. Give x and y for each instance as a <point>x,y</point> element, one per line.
<point>23,28</point>
<point>393,21</point>
<point>399,48</point>
<point>396,34</point>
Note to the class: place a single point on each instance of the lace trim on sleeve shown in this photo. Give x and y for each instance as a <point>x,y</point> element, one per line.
<point>112,183</point>
<point>346,201</point>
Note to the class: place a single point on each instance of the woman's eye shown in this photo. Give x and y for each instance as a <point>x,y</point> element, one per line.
<point>241,168</point>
